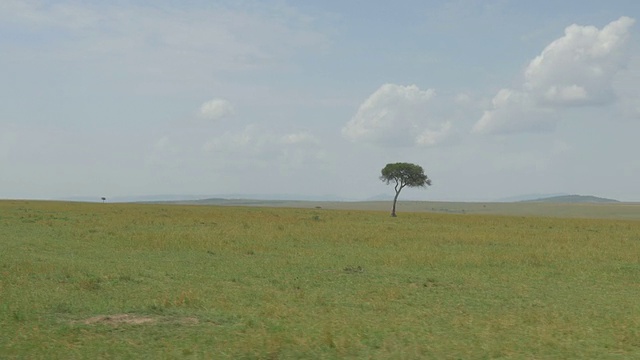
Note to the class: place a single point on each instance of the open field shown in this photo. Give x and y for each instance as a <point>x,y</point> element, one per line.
<point>543,209</point>
<point>82,280</point>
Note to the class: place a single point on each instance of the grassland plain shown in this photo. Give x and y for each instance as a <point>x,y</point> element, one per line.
<point>168,281</point>
<point>630,211</point>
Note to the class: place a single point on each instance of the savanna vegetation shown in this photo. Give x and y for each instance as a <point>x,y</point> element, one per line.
<point>169,281</point>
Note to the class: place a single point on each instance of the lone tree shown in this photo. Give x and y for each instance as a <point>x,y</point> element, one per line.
<point>404,174</point>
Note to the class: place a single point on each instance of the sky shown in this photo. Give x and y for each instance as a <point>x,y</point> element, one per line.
<point>493,98</point>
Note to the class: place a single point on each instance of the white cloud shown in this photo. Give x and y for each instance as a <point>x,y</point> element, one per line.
<point>217,37</point>
<point>299,138</point>
<point>397,115</point>
<point>463,99</point>
<point>255,147</point>
<point>432,137</point>
<point>167,152</point>
<point>577,69</point>
<point>216,109</point>
<point>515,111</point>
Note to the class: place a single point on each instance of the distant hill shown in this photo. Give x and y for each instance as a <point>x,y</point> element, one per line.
<point>208,199</point>
<point>571,199</point>
<point>530,197</point>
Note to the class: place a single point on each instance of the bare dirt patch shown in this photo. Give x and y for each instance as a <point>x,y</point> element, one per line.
<point>133,319</point>
<point>129,319</point>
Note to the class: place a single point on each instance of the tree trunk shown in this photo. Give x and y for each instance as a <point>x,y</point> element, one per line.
<point>395,199</point>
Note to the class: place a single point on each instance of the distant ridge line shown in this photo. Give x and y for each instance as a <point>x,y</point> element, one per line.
<point>573,199</point>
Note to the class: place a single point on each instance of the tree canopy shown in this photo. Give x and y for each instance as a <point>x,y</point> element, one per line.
<point>404,174</point>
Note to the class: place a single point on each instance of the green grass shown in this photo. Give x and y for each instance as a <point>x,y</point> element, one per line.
<point>168,281</point>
